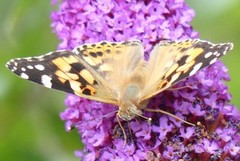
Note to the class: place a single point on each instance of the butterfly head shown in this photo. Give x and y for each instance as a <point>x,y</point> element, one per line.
<point>128,111</point>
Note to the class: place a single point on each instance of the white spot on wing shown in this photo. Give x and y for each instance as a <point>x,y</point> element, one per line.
<point>195,69</point>
<point>213,61</point>
<point>46,81</point>
<point>8,63</point>
<point>14,68</point>
<point>30,67</point>
<point>23,69</point>
<point>39,67</point>
<point>24,76</point>
<point>208,55</point>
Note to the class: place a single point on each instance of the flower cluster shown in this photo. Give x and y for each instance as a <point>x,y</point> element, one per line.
<point>78,22</point>
<point>204,101</point>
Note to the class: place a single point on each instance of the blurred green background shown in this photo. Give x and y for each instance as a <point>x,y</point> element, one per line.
<point>30,127</point>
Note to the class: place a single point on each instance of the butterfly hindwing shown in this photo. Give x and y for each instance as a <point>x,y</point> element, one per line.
<point>172,61</point>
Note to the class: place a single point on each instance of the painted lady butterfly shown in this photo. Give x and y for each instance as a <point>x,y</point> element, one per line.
<point>116,72</point>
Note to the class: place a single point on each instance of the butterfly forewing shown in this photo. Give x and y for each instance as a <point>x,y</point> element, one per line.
<point>61,70</point>
<point>96,71</point>
<point>172,61</point>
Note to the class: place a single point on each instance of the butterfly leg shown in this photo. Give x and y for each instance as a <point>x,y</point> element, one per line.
<point>169,114</point>
<point>178,88</point>
<point>123,131</point>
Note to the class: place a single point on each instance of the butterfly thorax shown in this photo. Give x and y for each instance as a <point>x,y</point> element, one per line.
<point>129,106</point>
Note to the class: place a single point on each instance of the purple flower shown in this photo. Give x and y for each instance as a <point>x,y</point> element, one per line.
<point>187,132</point>
<point>163,128</point>
<point>204,101</point>
<point>78,22</point>
<point>210,147</point>
<point>232,148</point>
<point>168,153</point>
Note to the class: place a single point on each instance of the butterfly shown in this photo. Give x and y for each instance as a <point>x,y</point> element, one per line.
<point>116,72</point>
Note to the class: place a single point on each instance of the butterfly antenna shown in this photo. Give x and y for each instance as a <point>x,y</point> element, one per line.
<point>169,114</point>
<point>108,114</point>
<point>149,120</point>
<point>94,119</point>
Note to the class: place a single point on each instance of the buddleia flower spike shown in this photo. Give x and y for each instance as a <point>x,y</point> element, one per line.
<point>105,69</point>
